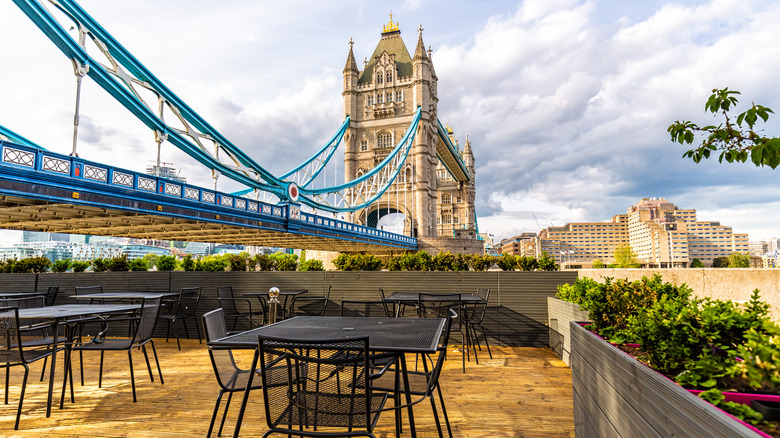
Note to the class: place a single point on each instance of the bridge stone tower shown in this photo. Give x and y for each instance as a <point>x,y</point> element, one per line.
<point>381,100</point>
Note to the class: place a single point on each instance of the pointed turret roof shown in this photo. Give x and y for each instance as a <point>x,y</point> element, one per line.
<point>351,64</point>
<point>419,52</point>
<point>391,43</point>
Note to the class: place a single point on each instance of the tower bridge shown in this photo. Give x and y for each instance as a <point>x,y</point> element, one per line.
<point>391,104</point>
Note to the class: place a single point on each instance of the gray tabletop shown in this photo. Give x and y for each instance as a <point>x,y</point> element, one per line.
<point>412,335</point>
<point>22,294</point>
<point>466,298</point>
<point>126,295</point>
<point>66,311</point>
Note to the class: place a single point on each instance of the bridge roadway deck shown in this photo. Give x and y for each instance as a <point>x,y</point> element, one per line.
<point>45,191</point>
<point>521,392</point>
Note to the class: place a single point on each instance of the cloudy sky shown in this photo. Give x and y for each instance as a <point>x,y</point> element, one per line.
<point>566,101</point>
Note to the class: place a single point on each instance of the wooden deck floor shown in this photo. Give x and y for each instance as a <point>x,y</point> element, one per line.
<point>521,392</point>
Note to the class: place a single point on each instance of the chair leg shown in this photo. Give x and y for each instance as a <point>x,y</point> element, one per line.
<point>159,371</point>
<point>21,396</point>
<point>197,329</point>
<point>482,329</point>
<point>436,416</point>
<point>444,410</point>
<point>168,331</point>
<point>224,413</point>
<point>186,332</point>
<point>7,375</point>
<point>43,370</point>
<point>148,365</point>
<point>214,414</point>
<point>132,374</point>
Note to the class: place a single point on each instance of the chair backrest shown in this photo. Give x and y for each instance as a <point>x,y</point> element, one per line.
<point>437,305</point>
<point>478,309</point>
<point>225,297</point>
<point>84,290</point>
<point>10,350</point>
<point>332,372</point>
<point>433,381</point>
<point>222,361</point>
<point>23,302</point>
<point>311,305</point>
<point>364,309</point>
<point>51,295</point>
<point>188,301</point>
<point>150,310</point>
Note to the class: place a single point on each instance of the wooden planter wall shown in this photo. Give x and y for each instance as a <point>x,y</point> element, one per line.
<point>617,396</point>
<point>516,316</point>
<point>561,314</point>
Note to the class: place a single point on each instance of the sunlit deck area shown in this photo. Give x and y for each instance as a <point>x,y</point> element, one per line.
<point>521,392</point>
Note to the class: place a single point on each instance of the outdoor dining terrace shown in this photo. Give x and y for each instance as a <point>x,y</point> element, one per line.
<point>521,392</point>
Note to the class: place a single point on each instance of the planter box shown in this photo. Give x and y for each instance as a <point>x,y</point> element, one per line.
<point>617,396</point>
<point>559,314</point>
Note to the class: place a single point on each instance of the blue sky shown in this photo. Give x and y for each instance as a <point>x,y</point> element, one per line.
<point>566,101</point>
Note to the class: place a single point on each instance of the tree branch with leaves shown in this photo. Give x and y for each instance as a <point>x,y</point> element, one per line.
<point>736,141</point>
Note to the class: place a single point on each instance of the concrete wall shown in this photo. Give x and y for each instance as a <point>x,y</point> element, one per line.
<point>721,283</point>
<point>560,314</point>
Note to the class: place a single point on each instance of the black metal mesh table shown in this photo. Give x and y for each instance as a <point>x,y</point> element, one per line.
<point>62,313</point>
<point>398,335</point>
<point>288,295</point>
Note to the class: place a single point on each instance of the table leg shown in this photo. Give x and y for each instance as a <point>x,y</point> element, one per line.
<point>245,399</point>
<point>408,397</point>
<point>55,327</point>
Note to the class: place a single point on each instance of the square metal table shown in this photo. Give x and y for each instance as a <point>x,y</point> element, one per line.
<point>61,314</point>
<point>397,335</point>
<point>399,299</point>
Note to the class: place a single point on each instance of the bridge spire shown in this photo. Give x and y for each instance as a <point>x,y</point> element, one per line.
<point>351,64</point>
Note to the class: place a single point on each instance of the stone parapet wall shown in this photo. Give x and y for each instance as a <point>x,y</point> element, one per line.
<point>444,244</point>
<point>734,284</point>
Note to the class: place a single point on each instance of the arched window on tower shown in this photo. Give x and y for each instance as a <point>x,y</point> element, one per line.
<point>379,77</point>
<point>389,75</point>
<point>384,140</point>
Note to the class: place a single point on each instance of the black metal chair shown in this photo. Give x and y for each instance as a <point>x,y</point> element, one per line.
<point>181,309</point>
<point>422,384</point>
<point>310,399</point>
<point>142,332</point>
<point>228,304</point>
<point>88,290</point>
<point>365,309</point>
<point>311,305</point>
<point>438,306</point>
<point>398,308</point>
<point>15,351</point>
<point>475,317</point>
<point>230,376</point>
<point>51,295</point>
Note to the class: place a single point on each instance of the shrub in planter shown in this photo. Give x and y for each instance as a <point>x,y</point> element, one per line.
<point>188,263</point>
<point>311,265</point>
<point>527,263</point>
<point>482,262</point>
<point>118,264</point>
<point>79,266</point>
<point>166,263</point>
<point>507,262</point>
<point>99,264</point>
<point>60,265</point>
<point>263,262</point>
<point>138,265</point>
<point>443,261</point>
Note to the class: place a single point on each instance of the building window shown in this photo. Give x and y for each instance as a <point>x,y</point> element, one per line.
<point>380,98</point>
<point>379,77</point>
<point>364,145</point>
<point>446,198</point>
<point>384,140</point>
<point>389,76</point>
<point>369,100</point>
<point>389,97</point>
<point>456,219</point>
<point>446,218</point>
<point>399,96</point>
<point>458,199</point>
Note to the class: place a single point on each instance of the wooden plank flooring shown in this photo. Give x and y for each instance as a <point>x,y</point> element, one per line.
<point>521,392</point>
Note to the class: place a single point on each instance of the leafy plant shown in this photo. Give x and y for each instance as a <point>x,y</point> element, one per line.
<point>482,262</point>
<point>99,264</point>
<point>264,262</point>
<point>507,262</point>
<point>236,262</point>
<point>79,266</point>
<point>138,265</point>
<point>760,355</point>
<point>285,262</point>
<point>211,264</point>
<point>598,264</point>
<point>547,263</point>
<point>696,263</point>
<point>736,142</point>
<point>526,263</point>
<point>444,261</point>
<point>188,263</point>
<point>743,412</point>
<point>737,260</point>
<point>60,265</point>
<point>576,293</point>
<point>720,262</point>
<point>118,264</point>
<point>166,263</point>
<point>311,265</point>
